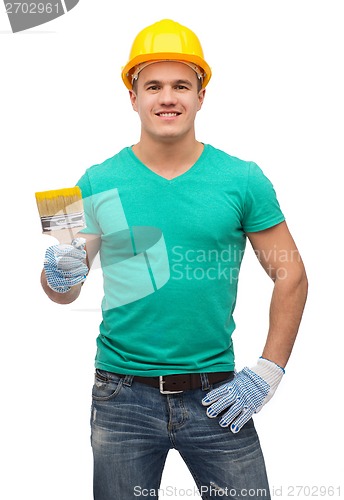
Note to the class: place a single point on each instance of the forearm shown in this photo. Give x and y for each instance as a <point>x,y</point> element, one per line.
<point>60,298</point>
<point>286,309</point>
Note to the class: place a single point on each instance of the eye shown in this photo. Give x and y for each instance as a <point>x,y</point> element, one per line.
<point>153,88</point>
<point>181,87</point>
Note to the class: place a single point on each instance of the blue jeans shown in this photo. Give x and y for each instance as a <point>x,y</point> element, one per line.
<point>134,426</point>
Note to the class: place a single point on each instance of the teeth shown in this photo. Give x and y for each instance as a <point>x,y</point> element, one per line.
<point>167,114</point>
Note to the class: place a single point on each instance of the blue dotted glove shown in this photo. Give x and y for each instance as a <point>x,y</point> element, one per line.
<point>245,395</point>
<point>64,265</point>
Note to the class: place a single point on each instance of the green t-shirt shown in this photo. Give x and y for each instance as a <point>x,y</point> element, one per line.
<point>170,252</point>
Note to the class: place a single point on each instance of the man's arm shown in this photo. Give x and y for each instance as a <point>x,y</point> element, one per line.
<point>92,248</point>
<point>253,387</point>
<point>279,256</point>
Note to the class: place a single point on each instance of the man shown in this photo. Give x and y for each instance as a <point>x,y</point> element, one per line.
<point>170,217</point>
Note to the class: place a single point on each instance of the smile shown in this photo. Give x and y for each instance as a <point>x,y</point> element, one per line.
<point>168,115</point>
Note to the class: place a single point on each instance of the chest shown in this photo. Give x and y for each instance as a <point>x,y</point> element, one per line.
<point>195,214</point>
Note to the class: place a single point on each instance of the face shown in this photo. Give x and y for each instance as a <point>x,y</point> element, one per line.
<point>167,100</point>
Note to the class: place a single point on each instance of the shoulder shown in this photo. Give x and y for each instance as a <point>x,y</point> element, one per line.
<point>109,163</point>
<point>226,158</point>
<point>226,163</point>
<point>100,176</point>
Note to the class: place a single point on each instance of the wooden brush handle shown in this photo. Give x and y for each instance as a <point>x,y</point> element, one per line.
<point>64,236</point>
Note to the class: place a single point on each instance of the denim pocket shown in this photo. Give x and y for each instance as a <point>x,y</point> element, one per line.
<point>105,387</point>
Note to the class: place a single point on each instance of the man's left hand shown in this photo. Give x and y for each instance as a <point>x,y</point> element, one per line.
<point>245,395</point>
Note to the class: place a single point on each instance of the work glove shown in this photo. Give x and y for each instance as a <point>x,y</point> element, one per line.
<point>245,395</point>
<point>64,265</point>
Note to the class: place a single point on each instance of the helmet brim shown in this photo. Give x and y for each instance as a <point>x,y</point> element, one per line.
<point>127,70</point>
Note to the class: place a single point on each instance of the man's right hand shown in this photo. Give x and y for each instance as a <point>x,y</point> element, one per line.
<point>64,265</point>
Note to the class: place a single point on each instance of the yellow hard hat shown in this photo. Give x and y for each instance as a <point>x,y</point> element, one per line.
<point>166,40</point>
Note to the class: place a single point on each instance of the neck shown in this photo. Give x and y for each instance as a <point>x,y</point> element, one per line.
<point>167,158</point>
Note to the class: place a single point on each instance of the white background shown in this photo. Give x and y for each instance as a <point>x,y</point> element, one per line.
<point>276,97</point>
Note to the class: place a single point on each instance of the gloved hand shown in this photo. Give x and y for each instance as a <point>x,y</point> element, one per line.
<point>64,266</point>
<point>245,395</point>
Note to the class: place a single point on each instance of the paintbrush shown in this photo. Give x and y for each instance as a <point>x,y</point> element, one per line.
<point>61,212</point>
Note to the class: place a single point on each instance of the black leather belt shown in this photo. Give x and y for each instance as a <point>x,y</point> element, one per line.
<point>170,384</point>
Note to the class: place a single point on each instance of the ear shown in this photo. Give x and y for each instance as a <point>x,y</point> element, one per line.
<point>133,99</point>
<point>201,96</point>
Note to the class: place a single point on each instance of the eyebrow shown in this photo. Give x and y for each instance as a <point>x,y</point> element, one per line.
<point>175,82</point>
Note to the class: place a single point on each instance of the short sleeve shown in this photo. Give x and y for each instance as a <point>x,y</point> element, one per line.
<point>261,209</point>
<point>92,227</point>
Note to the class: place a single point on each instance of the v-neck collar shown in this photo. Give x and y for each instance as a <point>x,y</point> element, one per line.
<point>146,170</point>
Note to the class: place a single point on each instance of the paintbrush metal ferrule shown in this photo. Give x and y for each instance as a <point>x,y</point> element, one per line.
<point>62,221</point>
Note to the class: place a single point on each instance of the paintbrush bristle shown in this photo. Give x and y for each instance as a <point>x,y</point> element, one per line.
<point>58,200</point>
<point>60,208</point>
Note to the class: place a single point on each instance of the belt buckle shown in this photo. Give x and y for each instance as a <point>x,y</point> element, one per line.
<point>161,387</point>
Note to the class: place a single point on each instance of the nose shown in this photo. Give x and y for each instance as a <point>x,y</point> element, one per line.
<point>167,96</point>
